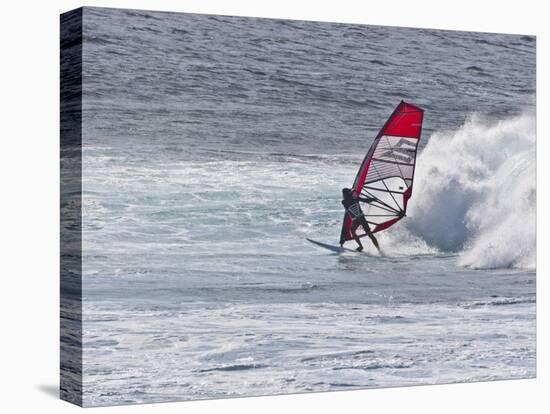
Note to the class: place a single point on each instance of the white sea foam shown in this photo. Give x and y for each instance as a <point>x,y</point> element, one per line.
<point>475,193</point>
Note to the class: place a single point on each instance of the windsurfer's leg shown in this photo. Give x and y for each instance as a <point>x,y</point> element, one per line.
<point>355,236</point>
<point>358,240</point>
<point>369,233</point>
<point>374,241</point>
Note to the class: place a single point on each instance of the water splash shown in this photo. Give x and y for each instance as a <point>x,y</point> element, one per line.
<point>475,193</point>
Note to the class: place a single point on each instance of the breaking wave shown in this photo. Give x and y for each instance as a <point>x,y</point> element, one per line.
<point>476,193</point>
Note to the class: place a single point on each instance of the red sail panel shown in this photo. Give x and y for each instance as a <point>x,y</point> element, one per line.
<point>406,121</point>
<point>346,229</point>
<point>387,171</point>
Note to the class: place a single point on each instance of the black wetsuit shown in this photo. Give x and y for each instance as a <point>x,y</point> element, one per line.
<point>353,208</point>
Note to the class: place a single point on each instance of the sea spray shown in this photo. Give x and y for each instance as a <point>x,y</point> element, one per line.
<point>475,193</point>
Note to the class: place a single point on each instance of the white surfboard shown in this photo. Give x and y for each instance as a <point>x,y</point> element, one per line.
<point>332,248</point>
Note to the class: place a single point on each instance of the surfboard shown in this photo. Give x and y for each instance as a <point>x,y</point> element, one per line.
<point>340,249</point>
<point>332,248</point>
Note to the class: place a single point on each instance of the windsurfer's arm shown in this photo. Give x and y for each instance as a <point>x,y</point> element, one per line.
<point>367,199</point>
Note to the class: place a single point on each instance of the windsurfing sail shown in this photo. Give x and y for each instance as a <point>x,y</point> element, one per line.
<point>387,172</point>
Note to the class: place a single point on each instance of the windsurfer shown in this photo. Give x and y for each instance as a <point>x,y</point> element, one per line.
<point>353,208</point>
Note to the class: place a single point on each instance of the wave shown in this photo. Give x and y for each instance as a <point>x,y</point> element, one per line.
<point>235,367</point>
<point>475,194</point>
<point>499,302</point>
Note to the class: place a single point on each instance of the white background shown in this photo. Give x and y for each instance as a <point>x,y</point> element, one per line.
<point>29,189</point>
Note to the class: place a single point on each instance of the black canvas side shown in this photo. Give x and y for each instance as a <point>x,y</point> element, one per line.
<point>71,206</point>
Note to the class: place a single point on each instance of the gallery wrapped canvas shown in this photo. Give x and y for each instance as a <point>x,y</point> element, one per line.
<point>259,206</point>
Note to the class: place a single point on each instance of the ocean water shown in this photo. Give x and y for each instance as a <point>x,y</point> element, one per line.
<point>213,146</point>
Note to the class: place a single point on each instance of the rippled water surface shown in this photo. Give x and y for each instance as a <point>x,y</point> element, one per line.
<point>214,145</point>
